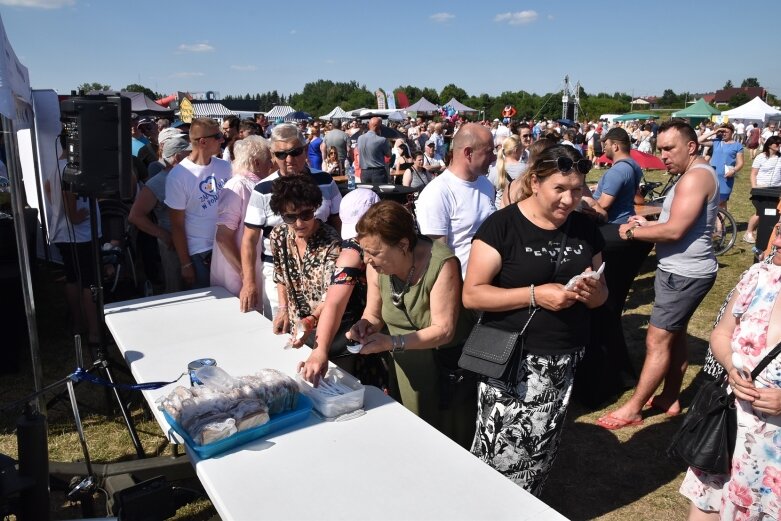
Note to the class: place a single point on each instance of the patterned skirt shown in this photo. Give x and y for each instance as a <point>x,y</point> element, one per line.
<point>519,424</point>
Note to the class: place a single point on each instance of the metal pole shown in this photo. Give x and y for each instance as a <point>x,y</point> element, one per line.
<point>17,209</point>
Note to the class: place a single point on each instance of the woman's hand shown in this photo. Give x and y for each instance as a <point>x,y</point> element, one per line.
<point>589,291</point>
<point>639,219</point>
<point>315,367</point>
<point>554,297</point>
<point>281,323</point>
<point>744,389</point>
<point>360,331</point>
<point>376,343</point>
<point>305,326</point>
<point>768,402</point>
<point>188,274</point>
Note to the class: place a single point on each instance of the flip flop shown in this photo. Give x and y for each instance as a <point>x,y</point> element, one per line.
<point>616,423</point>
<point>652,405</point>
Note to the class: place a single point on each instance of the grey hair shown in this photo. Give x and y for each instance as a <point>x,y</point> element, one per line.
<point>247,149</point>
<point>287,132</point>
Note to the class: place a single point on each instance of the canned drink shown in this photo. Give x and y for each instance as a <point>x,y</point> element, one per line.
<point>197,364</point>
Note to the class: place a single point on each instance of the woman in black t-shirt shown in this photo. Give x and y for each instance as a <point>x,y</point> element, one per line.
<point>515,269</point>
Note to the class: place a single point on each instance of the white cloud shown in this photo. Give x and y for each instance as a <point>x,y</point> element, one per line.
<point>519,18</point>
<point>244,68</point>
<point>39,4</point>
<point>186,74</point>
<point>442,17</point>
<point>196,47</point>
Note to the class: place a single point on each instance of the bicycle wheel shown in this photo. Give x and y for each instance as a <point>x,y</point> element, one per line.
<point>729,232</point>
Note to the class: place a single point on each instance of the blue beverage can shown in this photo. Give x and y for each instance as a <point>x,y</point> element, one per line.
<point>197,364</point>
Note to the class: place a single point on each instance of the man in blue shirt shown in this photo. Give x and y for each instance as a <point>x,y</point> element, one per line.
<point>614,202</point>
<point>726,158</point>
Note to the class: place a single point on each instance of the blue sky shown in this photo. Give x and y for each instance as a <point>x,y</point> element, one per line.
<point>639,47</point>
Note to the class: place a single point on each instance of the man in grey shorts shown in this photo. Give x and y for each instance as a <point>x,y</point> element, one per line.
<point>686,271</point>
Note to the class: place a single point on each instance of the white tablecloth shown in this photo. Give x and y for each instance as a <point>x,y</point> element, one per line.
<point>386,464</point>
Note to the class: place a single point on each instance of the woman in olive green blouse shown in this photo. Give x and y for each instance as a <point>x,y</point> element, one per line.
<point>414,290</point>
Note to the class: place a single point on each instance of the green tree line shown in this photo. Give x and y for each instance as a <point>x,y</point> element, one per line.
<point>319,97</point>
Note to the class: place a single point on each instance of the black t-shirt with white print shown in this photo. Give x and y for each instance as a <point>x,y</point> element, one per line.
<point>529,256</point>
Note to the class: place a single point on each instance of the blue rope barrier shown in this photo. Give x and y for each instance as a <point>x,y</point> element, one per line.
<point>81,375</point>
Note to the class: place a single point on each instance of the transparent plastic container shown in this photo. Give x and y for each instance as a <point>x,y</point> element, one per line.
<point>216,378</point>
<point>339,393</point>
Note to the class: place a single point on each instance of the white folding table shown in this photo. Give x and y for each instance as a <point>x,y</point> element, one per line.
<point>386,464</point>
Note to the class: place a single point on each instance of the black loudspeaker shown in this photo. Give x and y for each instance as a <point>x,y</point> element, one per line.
<point>571,111</point>
<point>97,144</point>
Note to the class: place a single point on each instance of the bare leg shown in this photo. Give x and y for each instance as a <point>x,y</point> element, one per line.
<point>667,400</point>
<point>752,223</point>
<point>658,355</point>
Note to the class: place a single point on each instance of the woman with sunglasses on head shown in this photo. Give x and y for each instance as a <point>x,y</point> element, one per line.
<point>304,250</point>
<point>413,290</point>
<point>508,166</point>
<point>522,256</point>
<point>331,162</point>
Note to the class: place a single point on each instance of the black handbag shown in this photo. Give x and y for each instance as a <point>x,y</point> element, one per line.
<point>488,350</point>
<point>706,439</point>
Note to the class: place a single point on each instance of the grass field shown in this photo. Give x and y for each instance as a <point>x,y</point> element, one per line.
<point>598,474</point>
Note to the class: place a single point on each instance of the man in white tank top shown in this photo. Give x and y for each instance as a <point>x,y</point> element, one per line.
<point>686,272</point>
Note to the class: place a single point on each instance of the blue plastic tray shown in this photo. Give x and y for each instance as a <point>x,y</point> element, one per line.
<point>277,422</point>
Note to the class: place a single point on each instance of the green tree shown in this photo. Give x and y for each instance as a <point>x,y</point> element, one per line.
<point>738,99</point>
<point>135,87</point>
<point>87,87</point>
<point>750,82</point>
<point>321,96</point>
<point>669,98</point>
<point>450,91</point>
<point>728,85</point>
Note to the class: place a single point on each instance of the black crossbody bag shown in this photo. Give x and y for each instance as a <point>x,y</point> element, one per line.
<point>706,439</point>
<point>490,351</point>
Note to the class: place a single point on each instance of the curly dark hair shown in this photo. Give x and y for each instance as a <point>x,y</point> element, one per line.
<point>299,191</point>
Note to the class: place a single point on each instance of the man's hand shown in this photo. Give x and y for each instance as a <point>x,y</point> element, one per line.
<point>188,274</point>
<point>248,297</point>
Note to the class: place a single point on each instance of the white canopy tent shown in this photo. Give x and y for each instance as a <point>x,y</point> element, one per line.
<point>16,115</point>
<point>279,111</point>
<point>754,110</point>
<point>336,113</point>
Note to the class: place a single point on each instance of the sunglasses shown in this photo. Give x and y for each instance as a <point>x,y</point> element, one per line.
<point>218,136</point>
<point>526,136</point>
<point>293,152</point>
<point>290,218</point>
<point>565,164</point>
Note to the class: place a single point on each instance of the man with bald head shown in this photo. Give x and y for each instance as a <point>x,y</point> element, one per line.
<point>372,149</point>
<point>453,206</point>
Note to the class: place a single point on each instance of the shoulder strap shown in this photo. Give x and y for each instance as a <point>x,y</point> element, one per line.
<point>765,361</point>
<point>299,300</point>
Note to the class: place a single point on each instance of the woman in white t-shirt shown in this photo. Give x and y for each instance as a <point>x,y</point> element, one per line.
<point>765,173</point>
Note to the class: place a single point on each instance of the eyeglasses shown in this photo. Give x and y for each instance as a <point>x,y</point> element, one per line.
<point>565,164</point>
<point>218,136</point>
<point>294,152</point>
<point>526,136</point>
<point>290,218</point>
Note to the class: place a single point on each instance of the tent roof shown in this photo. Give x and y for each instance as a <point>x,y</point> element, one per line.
<point>279,111</point>
<point>336,113</point>
<point>699,109</point>
<point>14,78</point>
<point>755,110</point>
<point>629,117</point>
<point>457,105</point>
<point>422,105</point>
<point>139,102</point>
<point>210,109</point>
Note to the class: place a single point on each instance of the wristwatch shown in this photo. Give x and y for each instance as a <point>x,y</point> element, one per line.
<point>630,233</point>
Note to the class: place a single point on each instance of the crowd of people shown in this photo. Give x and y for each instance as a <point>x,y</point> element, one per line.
<point>502,220</point>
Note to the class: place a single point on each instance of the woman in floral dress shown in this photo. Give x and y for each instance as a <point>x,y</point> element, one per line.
<point>752,490</point>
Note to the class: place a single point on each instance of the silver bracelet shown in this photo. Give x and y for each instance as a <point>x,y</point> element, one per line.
<point>532,300</point>
<point>397,343</point>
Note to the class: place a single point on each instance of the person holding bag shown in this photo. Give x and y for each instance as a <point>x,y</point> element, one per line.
<point>745,336</point>
<point>522,257</point>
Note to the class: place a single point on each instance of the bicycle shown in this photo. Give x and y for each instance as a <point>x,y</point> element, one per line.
<point>656,192</point>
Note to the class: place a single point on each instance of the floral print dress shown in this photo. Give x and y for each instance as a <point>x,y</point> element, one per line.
<point>752,490</point>
<point>306,277</point>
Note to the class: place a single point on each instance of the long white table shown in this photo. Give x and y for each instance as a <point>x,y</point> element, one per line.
<point>386,464</point>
